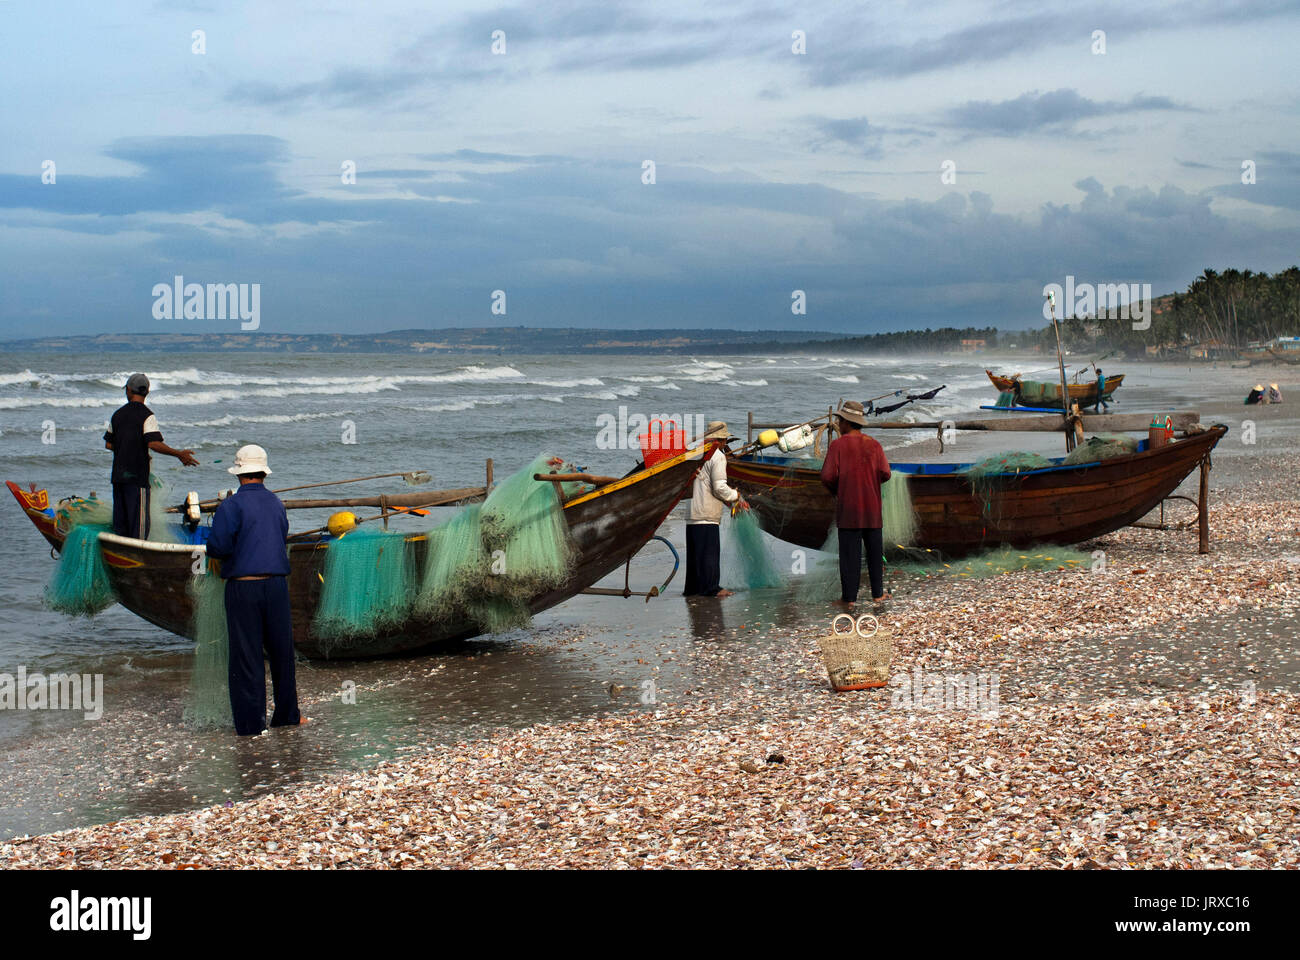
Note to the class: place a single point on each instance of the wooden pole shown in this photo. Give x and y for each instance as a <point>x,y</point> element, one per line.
<point>749,429</point>
<point>489,475</point>
<point>1065,388</point>
<point>1203,506</point>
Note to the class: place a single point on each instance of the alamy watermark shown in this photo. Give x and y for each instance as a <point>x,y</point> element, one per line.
<point>946,692</point>
<point>1104,301</point>
<point>57,691</point>
<point>623,432</point>
<point>179,300</point>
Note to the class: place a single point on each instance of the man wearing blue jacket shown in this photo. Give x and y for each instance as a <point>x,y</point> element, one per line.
<point>249,536</point>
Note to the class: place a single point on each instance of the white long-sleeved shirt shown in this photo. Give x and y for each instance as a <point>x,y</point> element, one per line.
<point>711,491</point>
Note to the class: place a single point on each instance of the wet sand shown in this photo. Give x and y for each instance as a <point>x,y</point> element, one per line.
<point>1147,716</point>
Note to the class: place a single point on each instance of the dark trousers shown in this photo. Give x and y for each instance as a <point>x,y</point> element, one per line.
<point>257,617</point>
<point>703,560</point>
<point>131,510</point>
<point>851,563</point>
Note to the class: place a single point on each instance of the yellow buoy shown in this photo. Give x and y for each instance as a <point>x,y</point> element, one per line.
<point>341,522</point>
<point>768,438</point>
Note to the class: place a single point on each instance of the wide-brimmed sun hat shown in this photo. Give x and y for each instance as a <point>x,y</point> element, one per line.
<point>250,459</point>
<point>717,430</point>
<point>852,411</point>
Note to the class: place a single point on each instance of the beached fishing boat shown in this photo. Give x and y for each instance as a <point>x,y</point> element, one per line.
<point>1035,393</point>
<point>1059,504</point>
<point>607,525</point>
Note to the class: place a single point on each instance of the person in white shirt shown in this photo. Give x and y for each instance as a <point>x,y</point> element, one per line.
<point>709,495</point>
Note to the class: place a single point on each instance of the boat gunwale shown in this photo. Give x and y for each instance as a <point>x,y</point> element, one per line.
<point>963,469</point>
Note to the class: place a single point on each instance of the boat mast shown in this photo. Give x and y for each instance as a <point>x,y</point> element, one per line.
<point>1060,362</point>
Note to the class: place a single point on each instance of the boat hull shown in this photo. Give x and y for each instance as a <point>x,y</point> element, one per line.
<point>1060,505</point>
<point>606,528</point>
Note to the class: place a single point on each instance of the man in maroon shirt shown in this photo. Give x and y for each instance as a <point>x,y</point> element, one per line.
<point>854,469</point>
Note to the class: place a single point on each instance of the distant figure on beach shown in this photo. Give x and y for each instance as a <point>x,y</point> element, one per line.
<point>1274,393</point>
<point>709,494</point>
<point>853,472</point>
<point>1256,396</point>
<point>132,433</point>
<point>1102,406</point>
<point>249,536</point>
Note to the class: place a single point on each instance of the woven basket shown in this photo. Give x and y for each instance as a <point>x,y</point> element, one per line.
<point>858,663</point>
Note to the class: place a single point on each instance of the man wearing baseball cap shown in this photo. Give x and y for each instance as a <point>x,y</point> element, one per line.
<point>132,433</point>
<point>249,537</point>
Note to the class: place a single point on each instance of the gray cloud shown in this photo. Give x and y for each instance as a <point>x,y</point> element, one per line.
<point>1033,111</point>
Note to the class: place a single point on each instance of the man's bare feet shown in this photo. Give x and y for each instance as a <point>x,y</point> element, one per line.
<point>725,593</point>
<point>842,605</point>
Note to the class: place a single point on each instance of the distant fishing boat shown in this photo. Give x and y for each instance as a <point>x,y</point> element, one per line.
<point>607,525</point>
<point>1035,393</point>
<point>1060,504</point>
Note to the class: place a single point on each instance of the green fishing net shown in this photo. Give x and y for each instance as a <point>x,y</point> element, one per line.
<point>996,473</point>
<point>746,558</point>
<point>454,563</point>
<point>1102,447</point>
<point>80,585</point>
<point>990,563</point>
<point>1003,463</point>
<point>897,513</point>
<point>1033,393</point>
<point>1006,399</point>
<point>489,561</point>
<point>164,527</point>
<point>208,703</point>
<point>524,532</point>
<point>368,584</point>
<point>77,510</point>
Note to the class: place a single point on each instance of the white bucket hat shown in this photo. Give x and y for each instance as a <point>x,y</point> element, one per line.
<point>250,459</point>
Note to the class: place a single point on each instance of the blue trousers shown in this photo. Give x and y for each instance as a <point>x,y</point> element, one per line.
<point>703,560</point>
<point>257,618</point>
<point>851,542</point>
<point>131,510</point>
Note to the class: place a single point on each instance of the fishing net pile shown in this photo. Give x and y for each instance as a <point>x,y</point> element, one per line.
<point>490,560</point>
<point>208,703</point>
<point>990,563</point>
<point>482,567</point>
<point>79,510</point>
<point>80,585</point>
<point>821,584</point>
<point>367,585</point>
<point>1006,399</point>
<point>1102,447</point>
<point>995,473</point>
<point>1033,393</point>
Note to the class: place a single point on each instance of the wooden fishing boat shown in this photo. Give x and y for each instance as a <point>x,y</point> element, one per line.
<point>1060,504</point>
<point>607,526</point>
<point>1048,394</point>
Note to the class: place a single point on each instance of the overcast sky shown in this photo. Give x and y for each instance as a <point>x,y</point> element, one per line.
<point>523,171</point>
